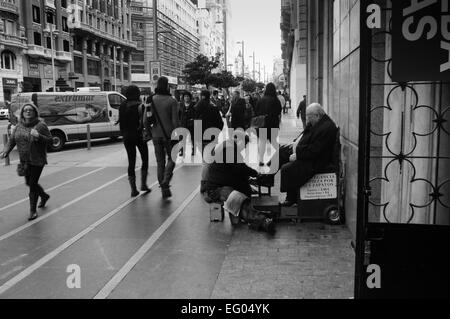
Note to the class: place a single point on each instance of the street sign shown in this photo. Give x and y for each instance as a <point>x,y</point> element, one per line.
<point>155,71</point>
<point>422,29</point>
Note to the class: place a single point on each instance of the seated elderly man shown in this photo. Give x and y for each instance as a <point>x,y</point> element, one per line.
<point>226,179</point>
<point>311,154</point>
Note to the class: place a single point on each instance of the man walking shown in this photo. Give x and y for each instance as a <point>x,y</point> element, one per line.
<point>301,111</point>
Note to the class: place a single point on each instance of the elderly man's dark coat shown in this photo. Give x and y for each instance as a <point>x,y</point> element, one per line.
<point>314,155</point>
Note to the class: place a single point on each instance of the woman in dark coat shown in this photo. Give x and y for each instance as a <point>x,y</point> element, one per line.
<point>237,111</point>
<point>31,135</point>
<point>187,115</point>
<point>270,106</point>
<point>130,119</point>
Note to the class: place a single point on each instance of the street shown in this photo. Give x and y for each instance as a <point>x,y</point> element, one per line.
<point>150,248</point>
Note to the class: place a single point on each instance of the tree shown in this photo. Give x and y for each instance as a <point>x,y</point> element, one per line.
<point>249,85</point>
<point>223,80</point>
<point>199,71</point>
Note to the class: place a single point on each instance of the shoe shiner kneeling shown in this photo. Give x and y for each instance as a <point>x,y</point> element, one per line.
<point>226,179</point>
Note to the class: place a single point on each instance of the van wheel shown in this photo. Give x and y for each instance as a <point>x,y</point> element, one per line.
<point>58,141</point>
<point>333,215</point>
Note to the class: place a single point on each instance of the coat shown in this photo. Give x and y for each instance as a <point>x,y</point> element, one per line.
<point>209,115</point>
<point>32,151</point>
<point>238,114</point>
<point>130,121</point>
<point>167,108</point>
<point>314,155</point>
<point>271,107</point>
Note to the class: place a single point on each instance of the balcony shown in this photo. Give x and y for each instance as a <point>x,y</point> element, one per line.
<point>9,7</point>
<point>63,56</point>
<point>36,51</point>
<point>50,4</point>
<point>13,41</point>
<point>87,28</point>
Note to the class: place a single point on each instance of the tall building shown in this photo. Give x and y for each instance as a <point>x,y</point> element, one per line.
<point>48,38</point>
<point>178,42</point>
<point>102,44</point>
<point>12,45</point>
<point>211,29</point>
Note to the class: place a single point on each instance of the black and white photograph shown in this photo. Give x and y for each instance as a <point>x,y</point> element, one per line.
<point>224,155</point>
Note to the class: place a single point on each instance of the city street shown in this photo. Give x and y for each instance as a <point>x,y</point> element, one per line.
<point>150,248</point>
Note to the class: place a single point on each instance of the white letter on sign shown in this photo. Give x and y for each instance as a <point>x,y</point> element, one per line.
<point>374,280</point>
<point>374,20</point>
<point>420,28</point>
<point>417,5</point>
<point>445,23</point>
<point>445,46</point>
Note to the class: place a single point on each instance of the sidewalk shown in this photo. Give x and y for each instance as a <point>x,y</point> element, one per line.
<point>306,260</point>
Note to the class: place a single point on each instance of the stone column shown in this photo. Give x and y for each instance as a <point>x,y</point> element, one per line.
<point>121,66</point>
<point>102,65</point>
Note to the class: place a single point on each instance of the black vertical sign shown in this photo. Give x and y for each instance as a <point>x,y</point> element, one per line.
<point>420,40</point>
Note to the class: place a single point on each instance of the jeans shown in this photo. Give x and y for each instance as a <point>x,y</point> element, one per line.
<point>130,146</point>
<point>165,169</point>
<point>32,179</point>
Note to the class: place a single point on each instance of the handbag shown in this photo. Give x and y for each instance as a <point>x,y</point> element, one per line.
<point>145,124</point>
<point>258,121</point>
<point>22,169</point>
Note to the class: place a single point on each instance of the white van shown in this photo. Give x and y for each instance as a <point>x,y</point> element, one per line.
<point>67,114</point>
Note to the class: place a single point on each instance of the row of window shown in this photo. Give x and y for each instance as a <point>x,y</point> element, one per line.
<point>94,68</point>
<point>48,43</point>
<point>50,18</point>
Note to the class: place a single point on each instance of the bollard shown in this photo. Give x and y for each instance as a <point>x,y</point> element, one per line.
<point>89,137</point>
<point>5,141</point>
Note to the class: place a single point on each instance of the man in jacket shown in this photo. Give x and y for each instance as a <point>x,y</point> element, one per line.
<point>301,111</point>
<point>313,153</point>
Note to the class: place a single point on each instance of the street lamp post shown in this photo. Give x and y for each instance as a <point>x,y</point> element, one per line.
<point>51,26</point>
<point>115,68</point>
<point>243,58</point>
<point>253,56</point>
<point>259,71</point>
<point>155,30</point>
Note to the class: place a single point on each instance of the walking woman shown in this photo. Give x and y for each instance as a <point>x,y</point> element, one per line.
<point>131,127</point>
<point>165,112</point>
<point>187,116</point>
<point>31,135</point>
<point>270,106</point>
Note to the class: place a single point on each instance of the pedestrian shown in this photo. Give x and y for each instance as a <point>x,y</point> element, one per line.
<point>209,115</point>
<point>301,111</point>
<point>248,113</point>
<point>270,107</point>
<point>31,136</point>
<point>131,127</point>
<point>187,115</point>
<point>282,101</point>
<point>165,112</point>
<point>237,111</point>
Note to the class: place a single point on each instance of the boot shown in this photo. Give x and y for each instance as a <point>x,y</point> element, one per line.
<point>33,202</point>
<point>134,191</point>
<point>44,199</point>
<point>166,193</point>
<point>144,186</point>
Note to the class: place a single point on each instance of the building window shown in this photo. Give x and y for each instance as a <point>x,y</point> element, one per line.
<point>8,60</point>
<point>138,56</point>
<point>36,14</point>
<point>64,3</point>
<point>37,38</point>
<point>93,67</point>
<point>65,27</point>
<point>66,46</point>
<point>48,42</point>
<point>78,64</point>
<point>140,69</point>
<point>50,18</point>
<point>125,73</point>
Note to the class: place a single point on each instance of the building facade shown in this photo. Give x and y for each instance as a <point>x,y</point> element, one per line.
<point>178,41</point>
<point>322,53</point>
<point>102,44</point>
<point>12,45</point>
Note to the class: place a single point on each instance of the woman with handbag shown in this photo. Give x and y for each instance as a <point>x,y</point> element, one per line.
<point>165,117</point>
<point>131,114</point>
<point>268,108</point>
<point>31,136</point>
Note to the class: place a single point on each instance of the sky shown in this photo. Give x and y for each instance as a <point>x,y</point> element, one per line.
<point>257,22</point>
